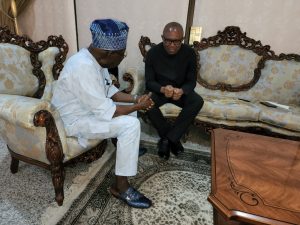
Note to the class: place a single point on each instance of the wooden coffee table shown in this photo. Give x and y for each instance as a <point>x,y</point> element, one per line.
<point>255,179</point>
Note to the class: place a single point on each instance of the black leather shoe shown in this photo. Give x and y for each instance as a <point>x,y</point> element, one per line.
<point>176,148</point>
<point>134,198</point>
<point>142,151</point>
<point>164,148</point>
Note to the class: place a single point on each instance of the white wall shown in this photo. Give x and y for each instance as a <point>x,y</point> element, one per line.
<point>273,22</point>
<point>50,17</point>
<point>143,17</point>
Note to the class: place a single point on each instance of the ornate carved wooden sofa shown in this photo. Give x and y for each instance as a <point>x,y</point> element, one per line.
<point>29,124</point>
<point>235,74</point>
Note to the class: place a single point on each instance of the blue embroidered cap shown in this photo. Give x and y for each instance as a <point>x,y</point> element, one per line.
<point>109,34</point>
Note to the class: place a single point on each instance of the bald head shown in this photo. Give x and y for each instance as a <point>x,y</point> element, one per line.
<point>173,27</point>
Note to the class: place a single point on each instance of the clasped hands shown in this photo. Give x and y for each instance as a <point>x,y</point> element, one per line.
<point>171,92</point>
<point>145,102</point>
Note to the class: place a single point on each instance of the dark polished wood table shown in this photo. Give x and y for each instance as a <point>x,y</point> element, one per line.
<point>255,179</point>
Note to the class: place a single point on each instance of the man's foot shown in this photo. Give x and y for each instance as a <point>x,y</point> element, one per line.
<point>142,151</point>
<point>164,148</point>
<point>176,148</point>
<point>132,198</point>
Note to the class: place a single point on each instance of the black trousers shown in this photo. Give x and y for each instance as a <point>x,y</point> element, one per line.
<point>190,104</point>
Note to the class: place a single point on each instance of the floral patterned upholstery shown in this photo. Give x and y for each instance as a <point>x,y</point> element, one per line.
<point>24,138</point>
<point>220,108</point>
<point>227,64</point>
<point>279,82</point>
<point>16,71</point>
<point>47,59</point>
<point>278,117</point>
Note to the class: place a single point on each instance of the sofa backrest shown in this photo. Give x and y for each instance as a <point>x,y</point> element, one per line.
<point>16,71</point>
<point>227,64</point>
<point>230,63</point>
<point>24,67</point>
<point>279,80</point>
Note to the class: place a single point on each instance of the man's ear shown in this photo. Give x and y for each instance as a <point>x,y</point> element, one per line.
<point>104,54</point>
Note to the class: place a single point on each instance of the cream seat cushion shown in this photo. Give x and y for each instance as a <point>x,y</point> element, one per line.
<point>220,108</point>
<point>76,149</point>
<point>284,118</point>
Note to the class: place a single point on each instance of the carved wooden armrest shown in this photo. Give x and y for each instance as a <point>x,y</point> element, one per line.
<point>144,45</point>
<point>136,82</point>
<point>115,81</point>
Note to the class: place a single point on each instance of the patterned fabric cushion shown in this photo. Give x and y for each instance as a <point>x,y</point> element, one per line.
<point>47,59</point>
<point>23,137</point>
<point>16,115</point>
<point>170,110</point>
<point>229,109</point>
<point>217,93</point>
<point>246,124</point>
<point>227,64</point>
<point>220,108</point>
<point>76,149</point>
<point>279,82</point>
<point>29,142</point>
<point>287,119</point>
<point>16,71</point>
<point>20,110</point>
<point>234,112</point>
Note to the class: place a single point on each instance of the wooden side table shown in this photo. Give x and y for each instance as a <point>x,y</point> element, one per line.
<point>255,179</point>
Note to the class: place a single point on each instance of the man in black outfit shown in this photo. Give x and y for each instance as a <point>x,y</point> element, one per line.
<point>170,71</point>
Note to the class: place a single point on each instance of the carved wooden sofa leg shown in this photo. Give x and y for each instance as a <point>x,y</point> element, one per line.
<point>14,166</point>
<point>58,177</point>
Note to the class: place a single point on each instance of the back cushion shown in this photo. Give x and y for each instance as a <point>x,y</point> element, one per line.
<point>228,64</point>
<point>47,58</point>
<point>16,75</point>
<point>279,82</point>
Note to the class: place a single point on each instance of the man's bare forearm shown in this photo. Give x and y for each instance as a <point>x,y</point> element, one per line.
<point>123,97</point>
<point>125,109</point>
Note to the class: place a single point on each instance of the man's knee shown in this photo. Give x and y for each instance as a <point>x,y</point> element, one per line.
<point>199,101</point>
<point>130,123</point>
<point>134,123</point>
<point>158,99</point>
<point>194,100</point>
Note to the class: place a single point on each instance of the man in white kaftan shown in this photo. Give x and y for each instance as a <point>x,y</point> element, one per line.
<point>82,95</point>
<point>85,97</point>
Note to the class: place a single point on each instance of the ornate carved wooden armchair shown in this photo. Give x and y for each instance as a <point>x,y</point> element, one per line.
<point>29,124</point>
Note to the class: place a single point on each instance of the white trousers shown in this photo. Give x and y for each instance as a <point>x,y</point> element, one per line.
<point>127,130</point>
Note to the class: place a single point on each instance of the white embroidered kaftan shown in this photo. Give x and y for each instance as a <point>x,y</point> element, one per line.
<point>82,96</point>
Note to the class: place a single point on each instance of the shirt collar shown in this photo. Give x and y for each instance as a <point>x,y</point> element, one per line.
<point>87,52</point>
